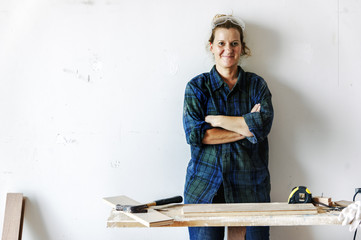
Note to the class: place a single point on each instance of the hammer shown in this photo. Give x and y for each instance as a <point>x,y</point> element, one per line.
<point>143,208</point>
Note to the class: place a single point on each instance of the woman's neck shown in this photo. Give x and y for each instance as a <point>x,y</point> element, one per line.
<point>229,75</point>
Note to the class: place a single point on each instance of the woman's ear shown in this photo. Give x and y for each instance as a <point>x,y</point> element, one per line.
<point>211,47</point>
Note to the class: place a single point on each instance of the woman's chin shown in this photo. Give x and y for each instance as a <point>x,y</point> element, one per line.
<point>229,64</point>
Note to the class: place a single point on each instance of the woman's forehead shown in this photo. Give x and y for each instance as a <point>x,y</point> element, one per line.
<point>224,33</point>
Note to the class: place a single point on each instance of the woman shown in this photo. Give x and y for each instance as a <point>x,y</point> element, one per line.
<point>227,116</point>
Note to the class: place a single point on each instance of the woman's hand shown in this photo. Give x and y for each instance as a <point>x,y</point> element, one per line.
<point>256,108</point>
<point>213,120</point>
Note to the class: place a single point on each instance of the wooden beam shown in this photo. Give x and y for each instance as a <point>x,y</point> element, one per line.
<point>236,233</point>
<point>325,200</point>
<point>246,209</point>
<point>342,203</point>
<point>152,218</point>
<point>204,219</point>
<point>14,216</point>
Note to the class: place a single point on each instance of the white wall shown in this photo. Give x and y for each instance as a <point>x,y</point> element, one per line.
<point>91,103</point>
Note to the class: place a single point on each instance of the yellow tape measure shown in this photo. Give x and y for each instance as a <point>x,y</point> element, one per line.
<point>300,194</point>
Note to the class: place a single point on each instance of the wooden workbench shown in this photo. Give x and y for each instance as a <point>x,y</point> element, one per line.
<point>118,219</point>
<point>235,221</point>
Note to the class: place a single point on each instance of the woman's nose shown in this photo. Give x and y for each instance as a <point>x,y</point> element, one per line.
<point>229,47</point>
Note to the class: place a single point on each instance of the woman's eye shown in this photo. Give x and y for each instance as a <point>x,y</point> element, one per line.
<point>221,43</point>
<point>234,44</point>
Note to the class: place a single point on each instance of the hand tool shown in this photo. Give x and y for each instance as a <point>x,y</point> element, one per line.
<point>143,208</point>
<point>300,194</point>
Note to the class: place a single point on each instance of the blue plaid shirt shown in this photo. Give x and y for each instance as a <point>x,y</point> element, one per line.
<point>241,166</point>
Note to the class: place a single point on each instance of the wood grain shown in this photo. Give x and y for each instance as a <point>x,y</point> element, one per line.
<point>152,218</point>
<point>116,219</point>
<point>236,233</point>
<point>253,209</point>
<point>14,215</point>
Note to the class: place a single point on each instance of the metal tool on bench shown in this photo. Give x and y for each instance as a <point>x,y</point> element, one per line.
<point>300,194</point>
<point>144,207</point>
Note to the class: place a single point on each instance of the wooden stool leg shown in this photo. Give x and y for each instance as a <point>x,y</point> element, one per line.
<point>236,233</point>
<point>14,216</point>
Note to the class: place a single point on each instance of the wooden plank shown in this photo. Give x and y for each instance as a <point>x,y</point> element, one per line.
<point>119,219</point>
<point>236,233</point>
<point>226,219</point>
<point>152,218</point>
<point>342,203</point>
<point>254,209</point>
<point>323,200</point>
<point>14,216</point>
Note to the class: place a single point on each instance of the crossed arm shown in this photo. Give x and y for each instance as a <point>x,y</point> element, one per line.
<point>227,128</point>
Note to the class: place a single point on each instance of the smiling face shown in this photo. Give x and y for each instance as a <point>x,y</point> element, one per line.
<point>226,47</point>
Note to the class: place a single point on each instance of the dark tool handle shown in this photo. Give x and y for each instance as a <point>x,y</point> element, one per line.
<point>177,199</point>
<point>142,208</point>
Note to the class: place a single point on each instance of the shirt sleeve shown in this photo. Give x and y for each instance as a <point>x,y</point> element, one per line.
<point>260,123</point>
<point>194,115</point>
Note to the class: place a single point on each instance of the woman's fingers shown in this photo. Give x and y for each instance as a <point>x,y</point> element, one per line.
<point>256,108</point>
<point>211,119</point>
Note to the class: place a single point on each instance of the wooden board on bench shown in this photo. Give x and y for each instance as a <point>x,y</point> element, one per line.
<point>152,218</point>
<point>255,209</point>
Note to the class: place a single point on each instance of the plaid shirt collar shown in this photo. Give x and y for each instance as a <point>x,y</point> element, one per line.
<point>217,81</point>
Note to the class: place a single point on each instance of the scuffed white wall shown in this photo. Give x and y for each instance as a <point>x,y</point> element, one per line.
<point>91,103</point>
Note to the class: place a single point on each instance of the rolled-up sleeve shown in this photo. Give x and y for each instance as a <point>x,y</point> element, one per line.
<point>194,115</point>
<point>260,123</point>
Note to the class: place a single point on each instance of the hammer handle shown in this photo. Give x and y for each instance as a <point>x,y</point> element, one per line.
<point>176,199</point>
<point>141,208</point>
